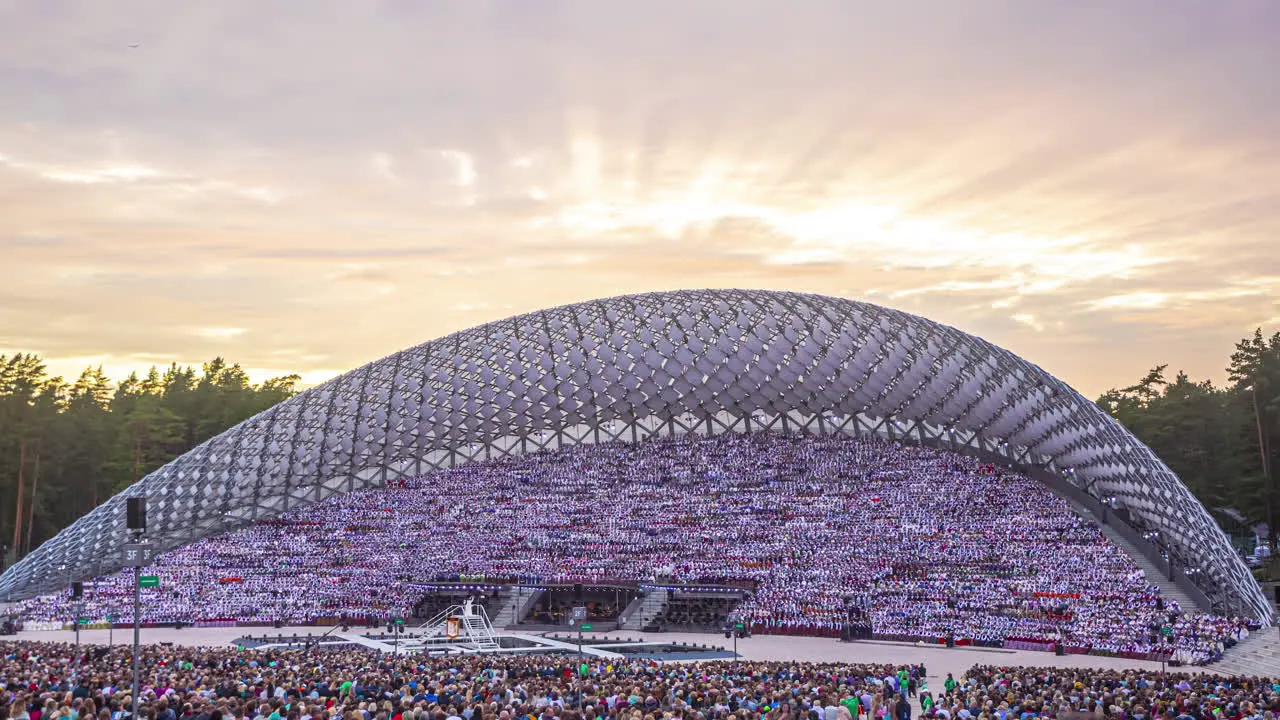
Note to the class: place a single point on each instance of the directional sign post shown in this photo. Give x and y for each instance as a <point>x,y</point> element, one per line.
<point>138,554</point>
<point>80,620</point>
<point>578,615</point>
<point>737,632</point>
<point>585,626</point>
<point>149,581</point>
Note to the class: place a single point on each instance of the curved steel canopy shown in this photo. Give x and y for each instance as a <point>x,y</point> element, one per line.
<point>635,366</point>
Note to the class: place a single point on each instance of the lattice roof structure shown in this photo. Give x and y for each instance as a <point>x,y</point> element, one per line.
<point>631,367</point>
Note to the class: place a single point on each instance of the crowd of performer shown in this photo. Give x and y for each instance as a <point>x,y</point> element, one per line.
<point>919,543</point>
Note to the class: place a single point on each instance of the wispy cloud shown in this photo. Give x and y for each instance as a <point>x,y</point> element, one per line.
<point>251,191</point>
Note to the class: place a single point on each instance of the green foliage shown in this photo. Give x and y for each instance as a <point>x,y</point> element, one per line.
<point>1222,442</point>
<point>66,448</point>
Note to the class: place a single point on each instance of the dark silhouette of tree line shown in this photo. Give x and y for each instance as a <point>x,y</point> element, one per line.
<point>67,446</point>
<point>1224,442</point>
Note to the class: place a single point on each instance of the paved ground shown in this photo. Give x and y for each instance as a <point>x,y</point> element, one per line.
<point>938,660</point>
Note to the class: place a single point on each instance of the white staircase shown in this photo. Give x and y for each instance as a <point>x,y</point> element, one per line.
<point>1155,575</point>
<point>475,632</point>
<point>501,609</point>
<point>650,607</point>
<point>632,608</point>
<point>480,631</point>
<point>1256,656</point>
<point>515,607</point>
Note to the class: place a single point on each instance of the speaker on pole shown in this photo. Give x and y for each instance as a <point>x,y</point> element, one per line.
<point>136,513</point>
<point>577,591</point>
<point>1277,592</point>
<point>77,590</point>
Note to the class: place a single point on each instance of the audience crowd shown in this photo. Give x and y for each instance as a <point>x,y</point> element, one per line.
<point>989,693</point>
<point>916,542</point>
<point>47,681</point>
<point>51,682</point>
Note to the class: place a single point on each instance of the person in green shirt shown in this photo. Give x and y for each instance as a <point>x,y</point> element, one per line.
<point>851,704</point>
<point>926,700</point>
<point>345,689</point>
<point>949,684</point>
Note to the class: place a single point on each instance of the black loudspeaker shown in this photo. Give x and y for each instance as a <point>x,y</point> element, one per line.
<point>577,591</point>
<point>1059,649</point>
<point>77,590</point>
<point>136,513</point>
<point>951,642</point>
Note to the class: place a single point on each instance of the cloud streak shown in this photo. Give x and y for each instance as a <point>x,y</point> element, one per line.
<point>1095,186</point>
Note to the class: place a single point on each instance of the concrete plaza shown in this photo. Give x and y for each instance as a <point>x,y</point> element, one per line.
<point>937,660</point>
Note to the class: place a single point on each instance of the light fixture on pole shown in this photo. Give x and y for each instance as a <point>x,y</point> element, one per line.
<point>77,610</point>
<point>136,554</point>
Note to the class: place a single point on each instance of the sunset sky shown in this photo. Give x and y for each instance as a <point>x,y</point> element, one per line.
<point>306,186</point>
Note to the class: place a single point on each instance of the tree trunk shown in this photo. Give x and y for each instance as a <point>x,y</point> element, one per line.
<point>17,520</point>
<point>31,509</point>
<point>137,458</point>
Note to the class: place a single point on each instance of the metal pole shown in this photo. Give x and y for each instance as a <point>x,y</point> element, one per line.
<point>75,670</point>
<point>137,634</point>
<point>1266,459</point>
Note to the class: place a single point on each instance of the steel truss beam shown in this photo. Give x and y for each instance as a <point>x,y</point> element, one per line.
<point>640,366</point>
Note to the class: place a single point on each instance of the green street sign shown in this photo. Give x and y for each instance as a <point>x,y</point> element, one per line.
<point>82,621</point>
<point>586,626</point>
<point>149,581</point>
<point>739,626</point>
<point>1166,631</point>
<point>399,621</point>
